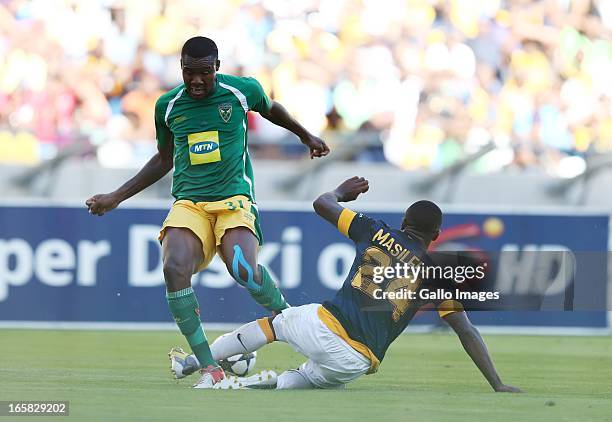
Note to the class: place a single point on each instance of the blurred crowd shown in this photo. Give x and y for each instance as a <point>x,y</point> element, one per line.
<point>424,82</point>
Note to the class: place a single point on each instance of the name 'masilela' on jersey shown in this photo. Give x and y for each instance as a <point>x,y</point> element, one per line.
<point>357,313</point>
<point>211,158</point>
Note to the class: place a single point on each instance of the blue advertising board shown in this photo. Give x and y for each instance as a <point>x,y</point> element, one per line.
<point>62,264</point>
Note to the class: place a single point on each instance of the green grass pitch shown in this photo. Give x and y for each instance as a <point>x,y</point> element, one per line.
<point>114,375</point>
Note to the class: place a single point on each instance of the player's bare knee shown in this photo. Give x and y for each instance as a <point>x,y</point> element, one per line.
<point>181,244</point>
<point>177,273</point>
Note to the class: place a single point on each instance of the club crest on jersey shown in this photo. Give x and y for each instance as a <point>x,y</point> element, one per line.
<point>225,111</point>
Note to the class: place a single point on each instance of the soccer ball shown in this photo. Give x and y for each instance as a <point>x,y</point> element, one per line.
<point>239,365</point>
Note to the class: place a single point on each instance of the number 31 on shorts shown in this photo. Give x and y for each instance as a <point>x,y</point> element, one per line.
<point>233,205</point>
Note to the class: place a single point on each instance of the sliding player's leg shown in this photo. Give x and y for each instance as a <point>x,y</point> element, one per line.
<point>249,338</point>
<point>245,339</point>
<point>332,362</point>
<point>239,250</point>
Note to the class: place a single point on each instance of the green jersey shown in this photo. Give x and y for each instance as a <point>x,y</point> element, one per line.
<point>211,158</point>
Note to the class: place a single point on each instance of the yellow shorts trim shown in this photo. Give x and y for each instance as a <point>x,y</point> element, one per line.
<point>210,220</point>
<point>335,327</point>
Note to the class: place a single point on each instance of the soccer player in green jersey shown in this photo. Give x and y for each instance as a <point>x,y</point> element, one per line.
<point>201,128</point>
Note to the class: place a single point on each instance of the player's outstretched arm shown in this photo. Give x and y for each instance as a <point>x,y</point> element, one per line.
<point>477,350</point>
<point>280,117</point>
<point>158,166</point>
<point>327,205</point>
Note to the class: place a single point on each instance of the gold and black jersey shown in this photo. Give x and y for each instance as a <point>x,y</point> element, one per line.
<point>371,312</point>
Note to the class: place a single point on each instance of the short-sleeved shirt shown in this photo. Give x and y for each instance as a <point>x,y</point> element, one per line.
<point>211,157</point>
<point>366,318</point>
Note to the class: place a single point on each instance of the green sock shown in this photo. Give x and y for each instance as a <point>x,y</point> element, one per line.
<point>268,295</point>
<point>186,312</point>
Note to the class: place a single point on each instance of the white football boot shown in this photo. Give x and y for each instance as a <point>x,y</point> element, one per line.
<point>182,363</point>
<point>264,380</point>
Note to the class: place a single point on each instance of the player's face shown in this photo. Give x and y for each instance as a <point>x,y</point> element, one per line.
<point>199,75</point>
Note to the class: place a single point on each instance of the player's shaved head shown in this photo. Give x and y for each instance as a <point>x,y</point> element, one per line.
<point>199,64</point>
<point>424,217</point>
<point>198,47</point>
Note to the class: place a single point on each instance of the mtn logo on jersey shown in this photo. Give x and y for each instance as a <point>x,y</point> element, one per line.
<point>204,147</point>
<point>225,111</point>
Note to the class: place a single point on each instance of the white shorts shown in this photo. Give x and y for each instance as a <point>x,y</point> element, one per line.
<point>332,362</point>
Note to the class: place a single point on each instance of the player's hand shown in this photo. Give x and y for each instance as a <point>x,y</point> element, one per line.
<point>350,189</point>
<point>102,203</point>
<point>503,388</point>
<point>318,147</point>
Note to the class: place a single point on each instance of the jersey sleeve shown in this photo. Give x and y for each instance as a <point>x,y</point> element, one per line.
<point>257,100</point>
<point>356,227</point>
<point>162,132</point>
